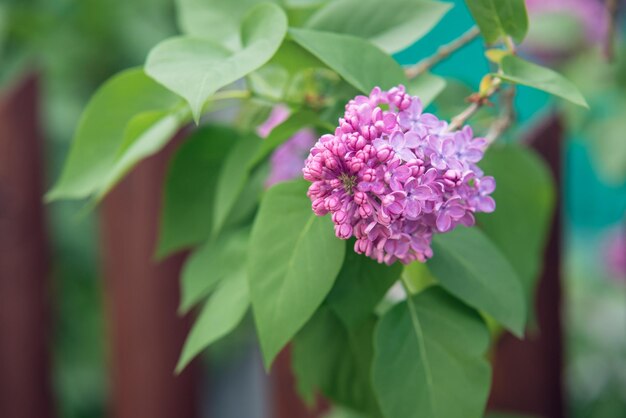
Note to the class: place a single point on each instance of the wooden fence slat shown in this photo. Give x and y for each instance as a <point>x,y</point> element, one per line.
<point>286,402</point>
<point>528,374</point>
<point>141,296</point>
<point>25,390</point>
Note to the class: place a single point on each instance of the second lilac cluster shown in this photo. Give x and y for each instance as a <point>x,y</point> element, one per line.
<point>392,176</point>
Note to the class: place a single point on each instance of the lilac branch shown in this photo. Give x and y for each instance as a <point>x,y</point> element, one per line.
<point>478,100</point>
<point>442,53</point>
<point>506,119</point>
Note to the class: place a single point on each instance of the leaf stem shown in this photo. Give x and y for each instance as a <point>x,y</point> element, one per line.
<point>478,101</point>
<point>442,53</point>
<point>506,119</point>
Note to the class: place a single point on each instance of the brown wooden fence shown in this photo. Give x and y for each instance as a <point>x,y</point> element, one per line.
<point>25,355</point>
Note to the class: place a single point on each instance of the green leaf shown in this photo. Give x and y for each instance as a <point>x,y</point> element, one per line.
<point>101,130</point>
<point>293,260</point>
<point>343,413</point>
<point>190,185</point>
<point>417,277</point>
<point>427,87</point>
<point>146,135</point>
<point>195,68</point>
<point>328,357</point>
<point>473,269</point>
<point>429,359</point>
<point>216,20</point>
<point>214,261</point>
<point>525,198</point>
<point>232,178</point>
<point>392,27</point>
<point>497,19</point>
<point>516,70</point>
<point>281,133</point>
<point>361,284</point>
<point>219,316</point>
<point>360,63</point>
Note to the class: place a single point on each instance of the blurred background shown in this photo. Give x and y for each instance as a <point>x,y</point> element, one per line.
<point>88,326</point>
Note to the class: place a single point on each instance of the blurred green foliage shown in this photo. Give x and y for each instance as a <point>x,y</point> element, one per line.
<point>73,46</point>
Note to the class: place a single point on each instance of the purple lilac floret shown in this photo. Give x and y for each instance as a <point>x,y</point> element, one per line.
<point>287,161</point>
<point>392,176</point>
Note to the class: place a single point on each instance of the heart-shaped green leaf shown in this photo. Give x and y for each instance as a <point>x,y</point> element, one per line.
<point>360,63</point>
<point>195,68</point>
<point>498,18</point>
<point>102,130</point>
<point>392,27</point>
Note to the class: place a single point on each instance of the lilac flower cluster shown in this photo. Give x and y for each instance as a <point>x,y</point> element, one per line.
<point>392,176</point>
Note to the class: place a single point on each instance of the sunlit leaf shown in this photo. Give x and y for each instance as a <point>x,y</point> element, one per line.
<point>360,63</point>
<point>394,26</point>
<point>102,128</point>
<point>195,68</point>
<point>518,71</point>
<point>498,18</point>
<point>217,20</point>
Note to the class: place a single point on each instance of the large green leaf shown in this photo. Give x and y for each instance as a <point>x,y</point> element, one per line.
<point>361,284</point>
<point>214,261</point>
<point>392,27</point>
<point>102,127</point>
<point>293,260</point>
<point>219,316</point>
<point>519,71</point>
<point>337,361</point>
<point>189,196</point>
<point>233,177</point>
<point>217,20</point>
<point>472,268</point>
<point>429,359</point>
<point>146,135</point>
<point>360,63</point>
<point>525,202</point>
<point>195,68</point>
<point>498,18</point>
